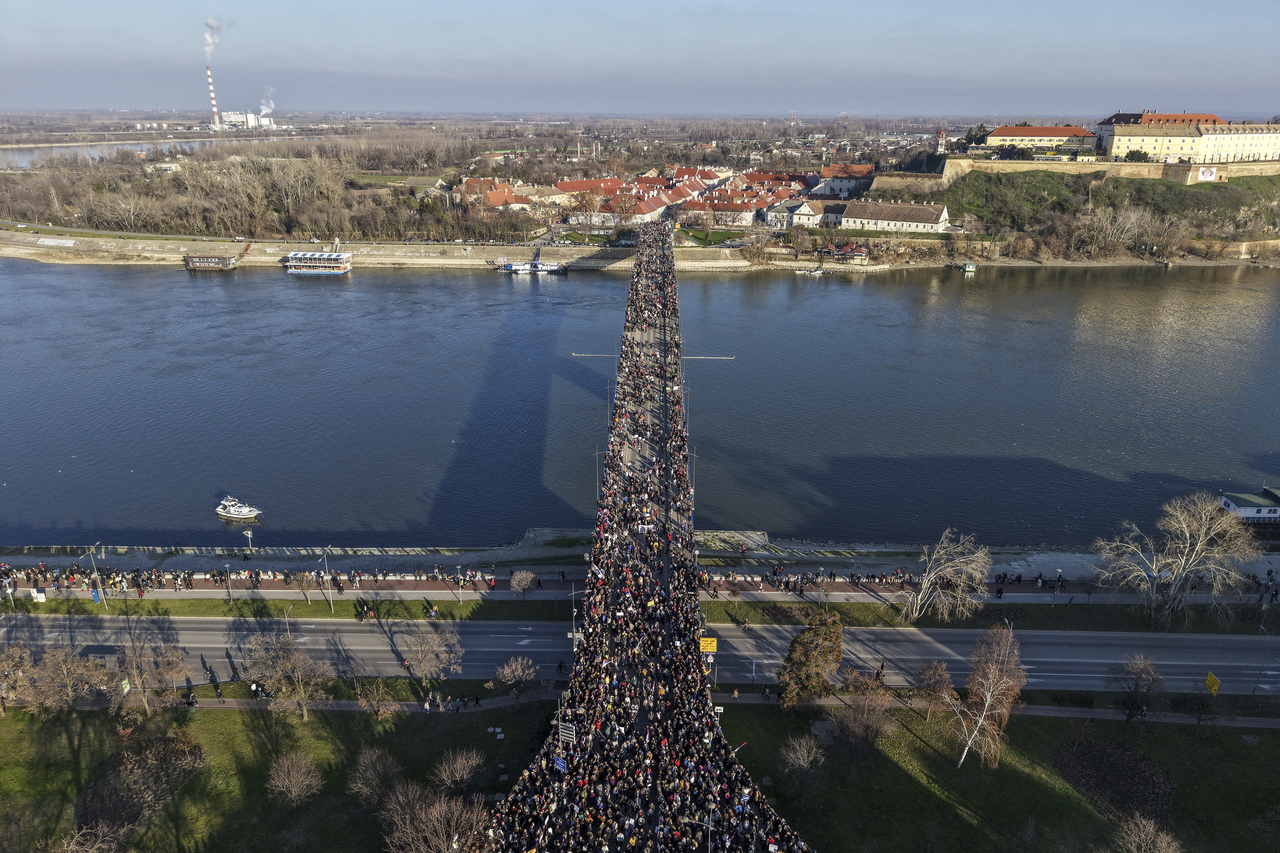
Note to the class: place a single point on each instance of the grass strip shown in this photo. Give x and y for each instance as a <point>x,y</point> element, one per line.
<point>344,607</point>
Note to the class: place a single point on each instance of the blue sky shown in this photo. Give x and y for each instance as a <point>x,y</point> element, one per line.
<point>746,58</point>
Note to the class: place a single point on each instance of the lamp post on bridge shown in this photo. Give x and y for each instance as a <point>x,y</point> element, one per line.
<point>709,827</point>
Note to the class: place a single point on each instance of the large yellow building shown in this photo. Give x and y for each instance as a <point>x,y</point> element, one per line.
<point>1187,138</point>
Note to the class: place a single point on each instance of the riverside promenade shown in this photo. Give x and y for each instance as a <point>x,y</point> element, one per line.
<point>560,570</point>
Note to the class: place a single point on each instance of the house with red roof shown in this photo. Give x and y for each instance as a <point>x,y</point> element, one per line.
<point>841,180</point>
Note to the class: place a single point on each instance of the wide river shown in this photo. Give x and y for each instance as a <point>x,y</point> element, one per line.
<point>424,408</point>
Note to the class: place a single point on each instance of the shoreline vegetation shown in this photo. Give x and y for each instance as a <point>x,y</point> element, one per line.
<point>433,197</point>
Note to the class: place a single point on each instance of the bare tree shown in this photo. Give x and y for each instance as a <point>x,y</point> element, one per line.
<point>415,821</point>
<point>522,582</point>
<point>588,204</point>
<point>15,673</point>
<point>373,776</point>
<point>934,682</point>
<point>434,651</point>
<point>100,837</point>
<point>374,696</point>
<point>61,677</point>
<point>952,585</point>
<point>1200,548</point>
<point>801,241</point>
<point>138,666</point>
<point>171,665</point>
<point>305,582</point>
<point>1138,834</point>
<point>455,770</point>
<point>1139,683</point>
<point>799,760</point>
<point>864,717</point>
<point>287,671</point>
<point>515,676</point>
<point>994,683</point>
<point>293,778</point>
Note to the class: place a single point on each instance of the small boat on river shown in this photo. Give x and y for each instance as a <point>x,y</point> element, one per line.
<point>233,510</point>
<point>537,265</point>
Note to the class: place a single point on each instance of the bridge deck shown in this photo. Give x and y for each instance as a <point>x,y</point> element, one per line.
<point>648,769</point>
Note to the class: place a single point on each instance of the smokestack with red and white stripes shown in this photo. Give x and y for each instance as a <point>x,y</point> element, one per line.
<point>212,100</point>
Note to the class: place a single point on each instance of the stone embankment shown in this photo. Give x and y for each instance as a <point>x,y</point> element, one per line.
<point>49,246</point>
<point>549,551</point>
<point>957,167</point>
<point>54,247</point>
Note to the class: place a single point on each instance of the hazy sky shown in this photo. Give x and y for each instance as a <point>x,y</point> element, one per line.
<point>1087,57</point>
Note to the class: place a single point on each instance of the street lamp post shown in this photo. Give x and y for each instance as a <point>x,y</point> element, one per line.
<point>324,587</point>
<point>287,630</point>
<point>574,607</point>
<point>97,576</point>
<point>709,827</point>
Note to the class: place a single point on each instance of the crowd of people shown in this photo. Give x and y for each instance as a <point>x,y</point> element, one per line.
<point>647,767</point>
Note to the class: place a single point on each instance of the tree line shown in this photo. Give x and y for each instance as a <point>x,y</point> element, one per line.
<point>1199,549</point>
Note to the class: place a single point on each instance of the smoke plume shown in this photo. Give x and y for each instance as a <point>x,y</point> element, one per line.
<point>211,36</point>
<point>267,104</point>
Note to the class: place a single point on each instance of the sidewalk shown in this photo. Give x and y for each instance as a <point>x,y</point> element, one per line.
<point>547,561</point>
<point>408,589</point>
<point>744,698</point>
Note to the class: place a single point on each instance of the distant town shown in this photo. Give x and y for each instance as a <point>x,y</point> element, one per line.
<point>808,185</point>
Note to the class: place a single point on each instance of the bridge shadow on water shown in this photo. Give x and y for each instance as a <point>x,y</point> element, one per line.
<point>506,427</point>
<point>1002,501</point>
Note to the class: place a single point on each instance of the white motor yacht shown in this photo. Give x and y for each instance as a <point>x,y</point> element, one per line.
<point>232,509</point>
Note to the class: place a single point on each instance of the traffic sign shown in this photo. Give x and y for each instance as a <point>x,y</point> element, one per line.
<point>560,764</point>
<point>708,644</point>
<point>568,732</point>
<point>124,685</point>
<point>1211,681</point>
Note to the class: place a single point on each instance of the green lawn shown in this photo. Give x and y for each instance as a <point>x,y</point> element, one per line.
<point>344,607</point>
<point>47,764</point>
<point>709,238</point>
<point>575,237</point>
<point>909,796</point>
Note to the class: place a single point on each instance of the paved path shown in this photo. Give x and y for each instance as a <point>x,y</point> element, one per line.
<point>727,699</point>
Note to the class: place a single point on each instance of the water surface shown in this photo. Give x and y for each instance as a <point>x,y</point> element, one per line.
<point>416,408</point>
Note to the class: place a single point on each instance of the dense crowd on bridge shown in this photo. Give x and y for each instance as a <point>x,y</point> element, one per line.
<point>648,768</point>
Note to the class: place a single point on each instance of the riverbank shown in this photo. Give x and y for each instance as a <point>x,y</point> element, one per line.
<point>54,246</point>
<point>556,553</point>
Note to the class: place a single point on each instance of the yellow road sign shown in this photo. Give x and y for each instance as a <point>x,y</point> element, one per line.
<point>709,644</point>
<point>1211,681</point>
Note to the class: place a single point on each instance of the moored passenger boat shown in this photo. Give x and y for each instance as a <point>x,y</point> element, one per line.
<point>318,263</point>
<point>213,263</point>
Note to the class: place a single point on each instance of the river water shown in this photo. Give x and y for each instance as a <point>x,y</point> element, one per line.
<point>425,408</point>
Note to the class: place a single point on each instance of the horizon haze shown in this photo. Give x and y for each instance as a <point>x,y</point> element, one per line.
<point>749,59</point>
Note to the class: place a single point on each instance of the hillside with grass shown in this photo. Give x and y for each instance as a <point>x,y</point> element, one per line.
<point>1092,214</point>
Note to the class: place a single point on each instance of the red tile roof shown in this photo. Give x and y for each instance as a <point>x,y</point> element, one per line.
<point>603,184</point>
<point>1162,118</point>
<point>856,171</point>
<point>1040,132</point>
